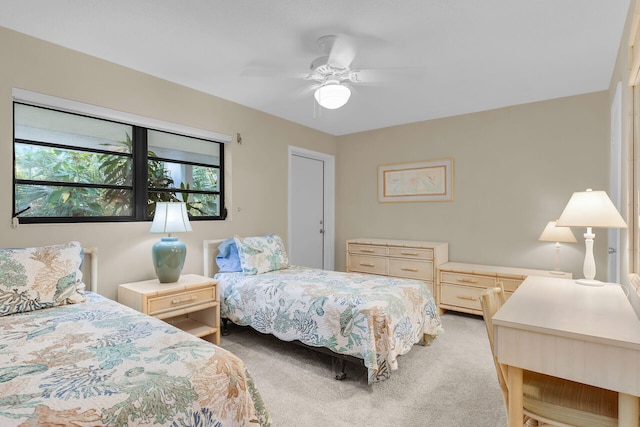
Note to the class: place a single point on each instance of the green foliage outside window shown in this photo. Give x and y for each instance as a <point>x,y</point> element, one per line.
<point>39,164</point>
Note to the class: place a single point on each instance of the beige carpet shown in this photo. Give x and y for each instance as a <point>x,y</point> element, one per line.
<point>452,382</point>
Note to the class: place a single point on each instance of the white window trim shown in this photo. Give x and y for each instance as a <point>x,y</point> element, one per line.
<point>68,105</point>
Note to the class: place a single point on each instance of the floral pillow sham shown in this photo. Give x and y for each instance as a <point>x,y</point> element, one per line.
<point>40,277</point>
<point>261,254</point>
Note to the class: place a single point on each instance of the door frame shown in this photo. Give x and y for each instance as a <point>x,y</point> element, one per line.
<point>329,200</point>
<point>615,184</point>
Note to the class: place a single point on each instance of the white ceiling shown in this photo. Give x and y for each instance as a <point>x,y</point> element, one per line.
<point>464,55</point>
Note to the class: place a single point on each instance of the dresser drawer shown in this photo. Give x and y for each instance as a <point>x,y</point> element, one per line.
<point>181,301</point>
<point>367,249</point>
<point>367,264</point>
<point>467,279</point>
<point>411,253</point>
<point>410,268</point>
<point>461,296</point>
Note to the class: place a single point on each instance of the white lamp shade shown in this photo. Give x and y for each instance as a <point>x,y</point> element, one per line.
<point>170,217</point>
<point>553,233</point>
<point>591,209</point>
<point>332,95</point>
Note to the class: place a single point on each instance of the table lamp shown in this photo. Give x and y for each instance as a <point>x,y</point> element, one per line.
<point>553,233</point>
<point>169,253</point>
<point>590,209</point>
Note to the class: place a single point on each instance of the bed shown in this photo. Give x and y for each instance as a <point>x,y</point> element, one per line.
<point>371,318</point>
<point>70,357</point>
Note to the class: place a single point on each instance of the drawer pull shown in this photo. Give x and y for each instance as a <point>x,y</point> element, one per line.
<point>467,297</point>
<point>369,251</point>
<point>409,253</point>
<point>366,264</point>
<point>467,281</point>
<point>413,270</point>
<point>183,300</point>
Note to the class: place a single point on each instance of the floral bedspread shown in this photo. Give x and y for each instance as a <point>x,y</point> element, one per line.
<point>101,363</point>
<point>373,318</point>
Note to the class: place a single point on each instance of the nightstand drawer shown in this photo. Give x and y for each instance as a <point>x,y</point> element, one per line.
<point>181,301</point>
<point>467,279</point>
<point>412,269</point>
<point>367,264</point>
<point>367,250</point>
<point>418,253</point>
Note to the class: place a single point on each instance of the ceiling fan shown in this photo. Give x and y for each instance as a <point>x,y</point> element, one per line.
<point>333,72</point>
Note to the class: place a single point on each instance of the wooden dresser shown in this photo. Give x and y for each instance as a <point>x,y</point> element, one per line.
<point>460,284</point>
<point>411,259</point>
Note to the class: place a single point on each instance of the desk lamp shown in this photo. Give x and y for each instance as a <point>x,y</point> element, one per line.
<point>169,253</point>
<point>590,209</point>
<point>553,233</point>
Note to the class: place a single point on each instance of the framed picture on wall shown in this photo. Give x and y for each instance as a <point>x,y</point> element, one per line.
<point>425,181</point>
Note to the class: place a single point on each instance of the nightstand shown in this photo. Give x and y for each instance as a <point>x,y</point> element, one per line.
<point>191,304</point>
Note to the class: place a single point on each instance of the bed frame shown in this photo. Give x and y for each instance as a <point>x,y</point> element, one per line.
<point>90,269</point>
<point>209,250</point>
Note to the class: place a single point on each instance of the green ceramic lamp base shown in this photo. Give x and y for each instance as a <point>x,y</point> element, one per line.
<point>168,259</point>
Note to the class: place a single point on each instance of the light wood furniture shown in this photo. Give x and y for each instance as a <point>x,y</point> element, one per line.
<point>191,304</point>
<point>460,284</point>
<point>547,398</point>
<point>586,334</point>
<point>410,259</point>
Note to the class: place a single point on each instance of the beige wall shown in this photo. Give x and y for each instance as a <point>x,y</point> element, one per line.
<point>514,169</point>
<point>258,184</point>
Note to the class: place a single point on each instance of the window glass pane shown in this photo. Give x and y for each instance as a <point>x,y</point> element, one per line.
<point>205,178</point>
<point>197,204</point>
<point>61,201</point>
<point>183,148</point>
<point>176,175</point>
<point>203,204</point>
<point>38,163</point>
<point>56,127</point>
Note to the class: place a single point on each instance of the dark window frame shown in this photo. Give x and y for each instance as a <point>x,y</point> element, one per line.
<point>139,187</point>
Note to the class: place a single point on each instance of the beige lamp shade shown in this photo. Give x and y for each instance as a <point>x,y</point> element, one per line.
<point>170,217</point>
<point>591,209</point>
<point>553,233</point>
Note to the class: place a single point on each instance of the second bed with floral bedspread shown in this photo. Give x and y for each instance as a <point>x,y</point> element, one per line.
<point>373,318</point>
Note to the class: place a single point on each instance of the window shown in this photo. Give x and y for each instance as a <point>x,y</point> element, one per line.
<point>74,168</point>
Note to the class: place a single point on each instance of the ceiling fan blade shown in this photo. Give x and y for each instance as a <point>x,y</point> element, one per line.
<point>342,52</point>
<point>271,72</point>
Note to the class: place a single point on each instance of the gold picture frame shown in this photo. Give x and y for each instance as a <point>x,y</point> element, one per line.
<point>425,181</point>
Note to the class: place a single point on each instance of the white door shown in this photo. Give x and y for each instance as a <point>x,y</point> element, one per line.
<point>613,274</point>
<point>310,209</point>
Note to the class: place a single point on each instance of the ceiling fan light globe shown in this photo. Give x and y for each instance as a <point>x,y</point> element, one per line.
<point>332,96</point>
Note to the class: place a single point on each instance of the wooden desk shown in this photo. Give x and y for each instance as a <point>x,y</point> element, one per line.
<point>586,334</point>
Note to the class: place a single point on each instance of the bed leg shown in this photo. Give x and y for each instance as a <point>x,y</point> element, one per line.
<point>225,327</point>
<point>342,374</point>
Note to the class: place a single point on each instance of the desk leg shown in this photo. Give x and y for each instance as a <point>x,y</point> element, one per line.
<point>628,410</point>
<point>514,384</point>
